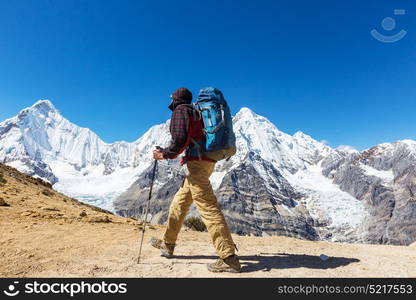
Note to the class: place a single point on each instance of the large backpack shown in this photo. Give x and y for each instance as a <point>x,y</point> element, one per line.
<point>219,142</point>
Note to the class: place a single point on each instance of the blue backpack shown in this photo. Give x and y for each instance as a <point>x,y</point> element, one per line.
<point>219,142</point>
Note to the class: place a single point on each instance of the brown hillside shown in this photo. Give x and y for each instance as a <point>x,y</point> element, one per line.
<point>46,234</point>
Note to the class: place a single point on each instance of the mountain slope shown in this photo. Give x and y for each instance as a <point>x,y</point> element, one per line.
<point>46,234</point>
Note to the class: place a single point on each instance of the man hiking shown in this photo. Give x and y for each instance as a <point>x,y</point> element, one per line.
<point>187,134</point>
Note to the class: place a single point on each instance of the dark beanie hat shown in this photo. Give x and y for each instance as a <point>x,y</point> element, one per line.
<point>183,94</point>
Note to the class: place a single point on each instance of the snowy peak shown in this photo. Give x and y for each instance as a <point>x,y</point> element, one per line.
<point>42,133</point>
<point>246,112</point>
<point>409,144</point>
<point>45,135</point>
<point>307,140</point>
<point>310,149</point>
<point>247,117</point>
<point>301,135</point>
<point>45,105</point>
<point>257,134</point>
<point>347,149</point>
<point>405,147</point>
<point>40,109</point>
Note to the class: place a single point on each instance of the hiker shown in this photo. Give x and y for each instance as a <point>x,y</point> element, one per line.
<point>187,134</point>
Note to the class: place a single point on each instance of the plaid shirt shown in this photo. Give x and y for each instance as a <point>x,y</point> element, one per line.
<point>179,129</point>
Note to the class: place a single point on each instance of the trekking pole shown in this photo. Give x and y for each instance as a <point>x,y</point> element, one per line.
<point>147,209</point>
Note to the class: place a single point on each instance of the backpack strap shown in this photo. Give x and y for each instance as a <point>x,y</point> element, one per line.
<point>196,112</point>
<point>198,148</point>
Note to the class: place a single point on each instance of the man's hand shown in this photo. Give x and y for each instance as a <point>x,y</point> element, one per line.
<point>157,154</point>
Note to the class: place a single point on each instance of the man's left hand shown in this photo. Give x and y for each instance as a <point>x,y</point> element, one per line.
<point>157,154</point>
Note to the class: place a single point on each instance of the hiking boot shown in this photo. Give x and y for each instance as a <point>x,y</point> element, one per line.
<point>230,264</point>
<point>165,249</point>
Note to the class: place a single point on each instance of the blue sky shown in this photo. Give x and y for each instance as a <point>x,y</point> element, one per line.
<point>306,65</point>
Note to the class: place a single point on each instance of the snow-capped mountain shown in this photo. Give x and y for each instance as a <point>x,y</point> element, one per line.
<point>275,184</point>
<point>41,142</point>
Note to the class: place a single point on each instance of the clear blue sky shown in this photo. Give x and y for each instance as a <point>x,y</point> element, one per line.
<point>306,65</point>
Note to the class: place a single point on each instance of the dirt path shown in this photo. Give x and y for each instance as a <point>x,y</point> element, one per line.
<point>110,250</point>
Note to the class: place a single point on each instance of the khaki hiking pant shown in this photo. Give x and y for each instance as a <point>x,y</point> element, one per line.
<point>197,188</point>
